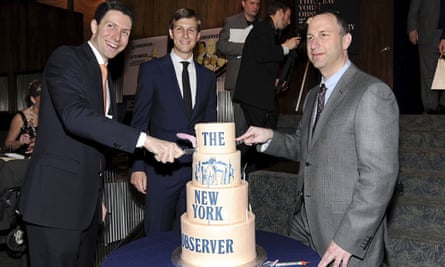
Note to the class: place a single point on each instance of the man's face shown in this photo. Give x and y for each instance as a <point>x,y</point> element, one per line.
<point>185,35</point>
<point>326,46</point>
<point>111,35</point>
<point>251,7</point>
<point>283,18</point>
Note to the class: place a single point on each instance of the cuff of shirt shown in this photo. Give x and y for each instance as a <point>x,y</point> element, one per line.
<point>285,49</point>
<point>264,146</point>
<point>141,140</point>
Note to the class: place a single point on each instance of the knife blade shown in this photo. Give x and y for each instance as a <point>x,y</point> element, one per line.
<point>189,151</point>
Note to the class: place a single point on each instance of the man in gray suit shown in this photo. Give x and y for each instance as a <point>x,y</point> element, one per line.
<point>423,31</point>
<point>233,49</point>
<point>348,160</point>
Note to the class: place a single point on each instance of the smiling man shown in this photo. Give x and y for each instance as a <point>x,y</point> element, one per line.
<point>62,193</point>
<point>347,143</point>
<point>164,108</point>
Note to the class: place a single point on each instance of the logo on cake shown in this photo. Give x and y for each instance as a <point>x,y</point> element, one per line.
<point>214,172</point>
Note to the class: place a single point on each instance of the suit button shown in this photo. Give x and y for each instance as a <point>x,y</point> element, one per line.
<point>307,164</point>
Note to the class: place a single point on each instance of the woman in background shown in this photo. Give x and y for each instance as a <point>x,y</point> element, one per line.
<point>22,131</point>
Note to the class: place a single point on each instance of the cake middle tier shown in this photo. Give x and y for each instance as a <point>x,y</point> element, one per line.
<point>217,206</point>
<point>216,171</point>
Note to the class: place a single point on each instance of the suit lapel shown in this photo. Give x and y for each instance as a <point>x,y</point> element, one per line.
<point>337,95</point>
<point>198,96</point>
<point>173,84</point>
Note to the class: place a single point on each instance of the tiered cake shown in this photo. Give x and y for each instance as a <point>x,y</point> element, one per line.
<point>217,228</point>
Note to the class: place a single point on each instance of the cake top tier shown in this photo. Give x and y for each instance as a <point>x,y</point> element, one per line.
<point>215,137</point>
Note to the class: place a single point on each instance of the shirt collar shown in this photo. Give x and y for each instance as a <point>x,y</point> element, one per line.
<point>333,80</point>
<point>99,58</point>
<point>177,59</point>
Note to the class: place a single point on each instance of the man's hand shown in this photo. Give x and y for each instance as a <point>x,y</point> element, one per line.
<point>413,37</point>
<point>256,135</point>
<point>335,254</point>
<point>139,180</point>
<point>164,151</point>
<point>442,46</point>
<point>293,42</point>
<point>104,212</point>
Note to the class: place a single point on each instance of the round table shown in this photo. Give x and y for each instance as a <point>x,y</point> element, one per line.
<point>157,250</point>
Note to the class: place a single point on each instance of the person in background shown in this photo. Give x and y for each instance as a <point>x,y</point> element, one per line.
<point>233,48</point>
<point>347,143</point>
<point>61,198</point>
<point>255,89</point>
<point>441,27</point>
<point>423,31</point>
<point>23,129</point>
<point>162,108</point>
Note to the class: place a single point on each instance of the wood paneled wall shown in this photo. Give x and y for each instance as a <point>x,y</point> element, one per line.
<point>30,32</point>
<point>153,16</point>
<point>34,30</point>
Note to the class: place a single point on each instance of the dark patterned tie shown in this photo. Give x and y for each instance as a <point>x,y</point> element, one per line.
<point>320,103</point>
<point>186,90</point>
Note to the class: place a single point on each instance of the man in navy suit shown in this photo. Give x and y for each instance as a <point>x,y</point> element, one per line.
<point>160,109</point>
<point>62,192</point>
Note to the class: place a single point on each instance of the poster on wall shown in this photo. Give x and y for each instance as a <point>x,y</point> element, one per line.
<point>206,54</point>
<point>347,9</point>
<point>140,51</point>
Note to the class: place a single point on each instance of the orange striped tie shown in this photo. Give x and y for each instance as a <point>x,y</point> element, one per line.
<point>104,70</point>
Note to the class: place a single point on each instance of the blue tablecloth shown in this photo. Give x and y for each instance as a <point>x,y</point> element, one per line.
<point>157,250</point>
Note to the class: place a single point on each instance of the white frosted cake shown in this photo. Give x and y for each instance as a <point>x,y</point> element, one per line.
<point>217,228</point>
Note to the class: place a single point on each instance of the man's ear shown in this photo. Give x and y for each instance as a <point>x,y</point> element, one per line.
<point>93,26</point>
<point>347,39</point>
<point>170,33</point>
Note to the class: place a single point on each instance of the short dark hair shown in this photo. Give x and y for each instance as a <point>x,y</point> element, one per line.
<point>104,7</point>
<point>34,90</point>
<point>275,6</point>
<point>184,13</point>
<point>341,21</point>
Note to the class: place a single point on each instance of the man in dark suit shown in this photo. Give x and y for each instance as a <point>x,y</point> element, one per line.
<point>161,109</point>
<point>423,18</point>
<point>441,27</point>
<point>232,48</point>
<point>62,192</point>
<point>347,144</point>
<point>262,55</point>
<point>255,87</point>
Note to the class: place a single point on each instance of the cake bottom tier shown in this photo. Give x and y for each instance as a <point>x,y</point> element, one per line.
<point>218,245</point>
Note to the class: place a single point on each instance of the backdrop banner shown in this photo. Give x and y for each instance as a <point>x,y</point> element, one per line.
<point>347,8</point>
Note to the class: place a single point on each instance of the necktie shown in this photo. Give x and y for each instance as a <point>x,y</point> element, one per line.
<point>186,90</point>
<point>104,70</point>
<point>320,102</point>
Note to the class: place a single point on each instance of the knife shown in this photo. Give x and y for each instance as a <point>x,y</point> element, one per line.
<point>189,151</point>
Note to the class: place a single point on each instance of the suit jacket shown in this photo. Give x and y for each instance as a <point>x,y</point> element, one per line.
<point>423,16</point>
<point>232,50</point>
<point>348,165</point>
<point>63,181</point>
<point>159,107</point>
<point>262,55</point>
